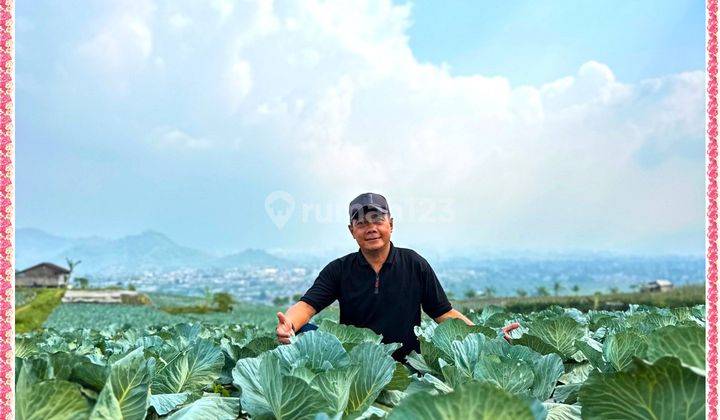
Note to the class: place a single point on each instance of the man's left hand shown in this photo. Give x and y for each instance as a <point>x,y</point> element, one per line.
<point>508,328</point>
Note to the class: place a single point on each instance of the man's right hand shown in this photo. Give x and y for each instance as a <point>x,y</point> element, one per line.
<point>284,329</point>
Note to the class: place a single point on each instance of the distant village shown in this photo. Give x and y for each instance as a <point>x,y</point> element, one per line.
<point>253,284</point>
<point>250,284</point>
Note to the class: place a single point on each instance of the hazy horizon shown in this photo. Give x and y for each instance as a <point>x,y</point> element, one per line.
<point>351,246</point>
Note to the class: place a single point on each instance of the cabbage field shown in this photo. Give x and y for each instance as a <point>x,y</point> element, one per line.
<point>643,363</point>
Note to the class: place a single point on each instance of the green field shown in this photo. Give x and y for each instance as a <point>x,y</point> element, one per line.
<point>90,315</point>
<point>138,362</point>
<point>680,296</point>
<point>38,305</point>
<point>24,295</point>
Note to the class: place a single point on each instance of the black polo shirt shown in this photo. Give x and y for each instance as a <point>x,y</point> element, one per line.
<point>405,283</point>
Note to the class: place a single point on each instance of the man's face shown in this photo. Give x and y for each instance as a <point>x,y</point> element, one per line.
<point>371,230</point>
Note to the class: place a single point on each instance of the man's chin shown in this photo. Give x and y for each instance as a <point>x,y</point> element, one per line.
<point>373,245</point>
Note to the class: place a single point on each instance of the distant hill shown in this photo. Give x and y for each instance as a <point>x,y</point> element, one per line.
<point>250,258</point>
<point>148,250</point>
<point>34,245</point>
<point>145,251</point>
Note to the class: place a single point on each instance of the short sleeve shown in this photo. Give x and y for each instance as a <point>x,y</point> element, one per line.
<point>434,300</point>
<point>325,289</point>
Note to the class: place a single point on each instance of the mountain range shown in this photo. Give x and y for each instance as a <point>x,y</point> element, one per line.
<point>148,250</point>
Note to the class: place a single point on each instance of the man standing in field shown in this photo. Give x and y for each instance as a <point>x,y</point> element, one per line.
<point>381,287</point>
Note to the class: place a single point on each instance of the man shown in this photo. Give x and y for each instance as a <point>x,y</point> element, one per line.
<point>381,287</point>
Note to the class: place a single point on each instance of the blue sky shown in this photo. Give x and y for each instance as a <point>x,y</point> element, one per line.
<point>537,125</point>
<point>538,41</point>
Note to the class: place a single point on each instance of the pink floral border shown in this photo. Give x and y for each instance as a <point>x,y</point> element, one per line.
<point>7,234</point>
<point>7,159</point>
<point>712,208</point>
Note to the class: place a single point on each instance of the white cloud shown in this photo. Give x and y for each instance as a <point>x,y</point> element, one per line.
<point>561,158</point>
<point>333,86</point>
<point>238,83</point>
<point>121,41</point>
<point>166,137</point>
<point>223,7</point>
<point>179,21</point>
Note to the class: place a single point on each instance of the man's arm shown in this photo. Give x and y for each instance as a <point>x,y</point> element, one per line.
<point>322,293</point>
<point>299,314</point>
<point>453,313</point>
<point>292,320</point>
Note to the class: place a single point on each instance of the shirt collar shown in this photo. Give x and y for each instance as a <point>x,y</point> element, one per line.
<point>392,255</point>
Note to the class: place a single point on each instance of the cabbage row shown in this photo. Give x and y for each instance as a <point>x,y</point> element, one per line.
<point>560,364</point>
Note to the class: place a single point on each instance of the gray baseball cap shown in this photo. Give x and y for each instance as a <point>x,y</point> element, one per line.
<point>369,201</point>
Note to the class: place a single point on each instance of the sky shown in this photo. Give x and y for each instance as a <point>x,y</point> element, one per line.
<point>543,125</point>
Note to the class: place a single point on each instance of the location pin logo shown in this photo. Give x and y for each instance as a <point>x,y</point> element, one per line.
<point>279,205</point>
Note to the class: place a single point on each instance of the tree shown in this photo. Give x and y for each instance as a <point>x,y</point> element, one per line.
<point>489,292</point>
<point>223,301</point>
<point>71,266</point>
<point>542,291</point>
<point>208,296</point>
<point>557,287</point>
<point>280,300</point>
<point>131,287</point>
<point>596,300</point>
<point>470,293</point>
<point>296,297</point>
<point>82,282</point>
<point>614,290</point>
<point>576,289</point>
<point>450,295</point>
<point>521,292</point>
